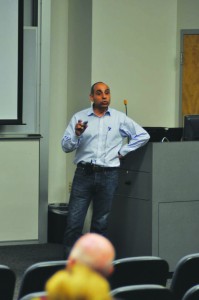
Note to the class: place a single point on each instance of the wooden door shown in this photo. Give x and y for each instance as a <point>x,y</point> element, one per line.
<point>190,74</point>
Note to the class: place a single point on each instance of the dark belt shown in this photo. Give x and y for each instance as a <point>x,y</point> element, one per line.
<point>95,168</point>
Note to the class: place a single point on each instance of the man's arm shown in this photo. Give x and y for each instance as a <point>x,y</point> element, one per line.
<point>137,136</point>
<point>72,135</point>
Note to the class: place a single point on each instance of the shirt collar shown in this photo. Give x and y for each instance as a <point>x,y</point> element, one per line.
<point>91,112</point>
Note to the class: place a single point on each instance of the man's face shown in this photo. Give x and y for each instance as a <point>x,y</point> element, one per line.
<point>101,96</point>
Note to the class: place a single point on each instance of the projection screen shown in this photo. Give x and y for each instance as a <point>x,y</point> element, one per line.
<point>11,61</point>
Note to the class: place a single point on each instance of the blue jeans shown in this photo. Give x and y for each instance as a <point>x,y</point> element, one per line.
<point>98,187</point>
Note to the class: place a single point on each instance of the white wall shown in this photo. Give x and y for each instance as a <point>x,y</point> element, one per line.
<point>188,14</point>
<point>19,189</point>
<point>134,50</point>
<point>70,83</point>
<point>58,100</point>
<point>79,66</point>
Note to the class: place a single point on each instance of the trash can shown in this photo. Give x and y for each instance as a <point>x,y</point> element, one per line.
<point>57,219</point>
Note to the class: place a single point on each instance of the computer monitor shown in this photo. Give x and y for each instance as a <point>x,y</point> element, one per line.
<point>163,134</point>
<point>191,128</point>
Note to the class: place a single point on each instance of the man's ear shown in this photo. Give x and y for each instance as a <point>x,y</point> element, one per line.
<point>111,270</point>
<point>70,262</point>
<point>91,97</point>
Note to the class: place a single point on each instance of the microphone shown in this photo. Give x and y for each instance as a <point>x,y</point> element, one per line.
<point>125,103</point>
<point>109,128</point>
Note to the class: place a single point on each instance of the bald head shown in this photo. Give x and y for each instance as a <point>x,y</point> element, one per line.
<point>95,251</point>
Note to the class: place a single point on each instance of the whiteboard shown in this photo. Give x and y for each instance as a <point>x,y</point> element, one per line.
<point>11,16</point>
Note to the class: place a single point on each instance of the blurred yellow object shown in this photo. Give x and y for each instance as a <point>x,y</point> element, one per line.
<point>80,282</point>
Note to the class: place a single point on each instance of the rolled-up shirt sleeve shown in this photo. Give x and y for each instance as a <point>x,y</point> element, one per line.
<point>137,136</point>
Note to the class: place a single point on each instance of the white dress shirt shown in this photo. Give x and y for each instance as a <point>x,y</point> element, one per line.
<point>104,137</point>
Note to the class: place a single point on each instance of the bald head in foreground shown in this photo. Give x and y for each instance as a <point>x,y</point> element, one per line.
<point>95,251</point>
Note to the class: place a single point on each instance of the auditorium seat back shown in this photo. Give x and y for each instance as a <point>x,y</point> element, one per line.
<point>185,276</point>
<point>139,270</point>
<point>7,282</point>
<point>35,277</point>
<point>192,293</point>
<point>38,295</point>
<point>142,292</point>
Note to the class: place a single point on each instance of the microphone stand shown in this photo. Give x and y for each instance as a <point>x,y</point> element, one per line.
<point>125,108</point>
<point>125,104</point>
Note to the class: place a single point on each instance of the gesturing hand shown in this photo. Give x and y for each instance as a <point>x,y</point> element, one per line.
<point>80,127</point>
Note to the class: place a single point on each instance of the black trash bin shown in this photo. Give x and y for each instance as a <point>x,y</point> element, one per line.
<point>57,219</point>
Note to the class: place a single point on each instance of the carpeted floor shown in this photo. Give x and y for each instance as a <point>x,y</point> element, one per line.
<point>20,257</point>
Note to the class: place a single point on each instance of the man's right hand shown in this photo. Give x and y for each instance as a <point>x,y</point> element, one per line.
<point>80,127</point>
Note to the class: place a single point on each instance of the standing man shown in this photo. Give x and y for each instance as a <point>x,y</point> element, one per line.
<point>97,135</point>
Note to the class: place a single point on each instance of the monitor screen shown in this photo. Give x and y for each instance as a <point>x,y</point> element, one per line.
<point>161,134</point>
<point>191,128</point>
